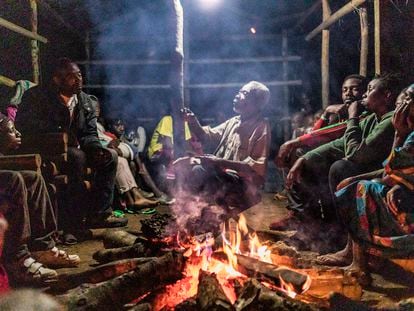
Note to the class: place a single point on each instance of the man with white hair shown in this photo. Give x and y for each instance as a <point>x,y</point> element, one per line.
<point>236,170</point>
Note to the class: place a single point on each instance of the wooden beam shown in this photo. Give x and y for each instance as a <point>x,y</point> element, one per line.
<point>20,30</point>
<point>363,60</point>
<point>326,14</point>
<point>307,13</point>
<point>377,37</point>
<point>34,44</point>
<point>191,86</point>
<point>347,8</point>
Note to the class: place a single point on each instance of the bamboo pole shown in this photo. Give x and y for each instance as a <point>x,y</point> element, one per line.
<point>347,8</point>
<point>326,12</point>
<point>7,81</point>
<point>363,60</point>
<point>20,30</point>
<point>241,60</point>
<point>285,77</point>
<point>191,86</point>
<point>377,37</point>
<point>34,43</point>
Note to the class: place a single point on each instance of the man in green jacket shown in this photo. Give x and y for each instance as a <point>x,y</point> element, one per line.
<point>362,148</point>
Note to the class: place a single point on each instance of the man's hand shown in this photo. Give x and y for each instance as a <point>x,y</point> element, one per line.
<point>399,120</point>
<point>335,109</point>
<point>284,153</point>
<point>294,174</point>
<point>355,109</point>
<point>189,116</point>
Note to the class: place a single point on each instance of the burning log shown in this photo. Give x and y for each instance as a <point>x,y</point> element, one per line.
<point>187,305</point>
<point>134,251</point>
<point>340,302</point>
<point>98,274</point>
<point>118,238</point>
<point>254,296</point>
<point>116,292</point>
<point>254,267</point>
<point>210,295</point>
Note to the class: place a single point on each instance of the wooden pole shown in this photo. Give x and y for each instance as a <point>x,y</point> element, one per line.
<point>377,37</point>
<point>285,77</point>
<point>177,79</point>
<point>347,8</point>
<point>24,32</point>
<point>326,12</point>
<point>34,43</point>
<point>363,60</point>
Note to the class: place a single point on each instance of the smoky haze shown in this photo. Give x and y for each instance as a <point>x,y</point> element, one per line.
<point>141,31</point>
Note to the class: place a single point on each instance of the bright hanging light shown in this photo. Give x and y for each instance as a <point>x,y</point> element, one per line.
<point>253,30</point>
<point>209,4</point>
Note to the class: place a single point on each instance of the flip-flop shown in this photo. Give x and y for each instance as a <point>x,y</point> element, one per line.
<point>69,239</point>
<point>147,211</point>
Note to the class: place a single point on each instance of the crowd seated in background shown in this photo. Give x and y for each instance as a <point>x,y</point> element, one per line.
<point>232,176</point>
<point>124,179</point>
<point>378,213</point>
<point>29,245</point>
<point>62,106</point>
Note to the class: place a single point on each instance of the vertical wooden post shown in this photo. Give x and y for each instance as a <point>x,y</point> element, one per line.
<point>88,57</point>
<point>285,77</point>
<point>377,36</point>
<point>363,17</point>
<point>177,80</point>
<point>326,12</point>
<point>34,43</point>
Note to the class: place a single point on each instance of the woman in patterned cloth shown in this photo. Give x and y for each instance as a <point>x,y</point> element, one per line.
<point>379,213</point>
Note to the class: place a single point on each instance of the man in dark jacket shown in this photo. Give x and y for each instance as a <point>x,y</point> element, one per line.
<point>64,107</point>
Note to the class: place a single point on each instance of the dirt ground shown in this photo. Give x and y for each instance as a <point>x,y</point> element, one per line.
<point>392,285</point>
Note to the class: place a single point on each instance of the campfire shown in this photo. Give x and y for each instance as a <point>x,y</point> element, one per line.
<point>228,270</point>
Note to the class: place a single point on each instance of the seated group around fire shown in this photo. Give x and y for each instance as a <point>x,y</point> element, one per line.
<point>119,171</point>
<point>351,167</point>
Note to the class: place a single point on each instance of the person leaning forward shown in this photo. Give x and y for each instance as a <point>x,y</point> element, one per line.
<point>62,106</point>
<point>236,170</point>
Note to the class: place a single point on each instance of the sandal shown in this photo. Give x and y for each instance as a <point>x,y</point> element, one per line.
<point>147,211</point>
<point>56,258</point>
<point>29,272</point>
<point>69,239</point>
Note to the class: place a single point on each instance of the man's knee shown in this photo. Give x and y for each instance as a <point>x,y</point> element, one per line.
<point>340,170</point>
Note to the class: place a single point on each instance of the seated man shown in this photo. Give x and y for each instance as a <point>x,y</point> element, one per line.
<point>362,148</point>
<point>237,169</point>
<point>63,107</point>
<point>32,221</point>
<point>353,88</point>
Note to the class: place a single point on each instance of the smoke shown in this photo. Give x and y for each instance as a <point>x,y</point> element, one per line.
<point>142,30</point>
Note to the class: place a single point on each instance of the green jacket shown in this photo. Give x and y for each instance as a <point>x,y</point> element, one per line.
<point>366,143</point>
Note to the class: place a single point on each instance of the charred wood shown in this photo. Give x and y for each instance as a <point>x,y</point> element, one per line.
<point>99,274</point>
<point>118,238</point>
<point>141,307</point>
<point>114,293</point>
<point>210,295</point>
<point>134,251</point>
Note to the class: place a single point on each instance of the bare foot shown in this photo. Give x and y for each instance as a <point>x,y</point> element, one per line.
<point>341,258</point>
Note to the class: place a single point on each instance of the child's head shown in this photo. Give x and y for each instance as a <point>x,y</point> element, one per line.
<point>10,138</point>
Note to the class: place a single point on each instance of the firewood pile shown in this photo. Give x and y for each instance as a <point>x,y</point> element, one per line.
<point>156,271</point>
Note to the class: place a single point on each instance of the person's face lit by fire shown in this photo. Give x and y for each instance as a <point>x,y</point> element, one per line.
<point>69,80</point>
<point>376,97</point>
<point>10,137</point>
<point>352,90</point>
<point>244,102</point>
